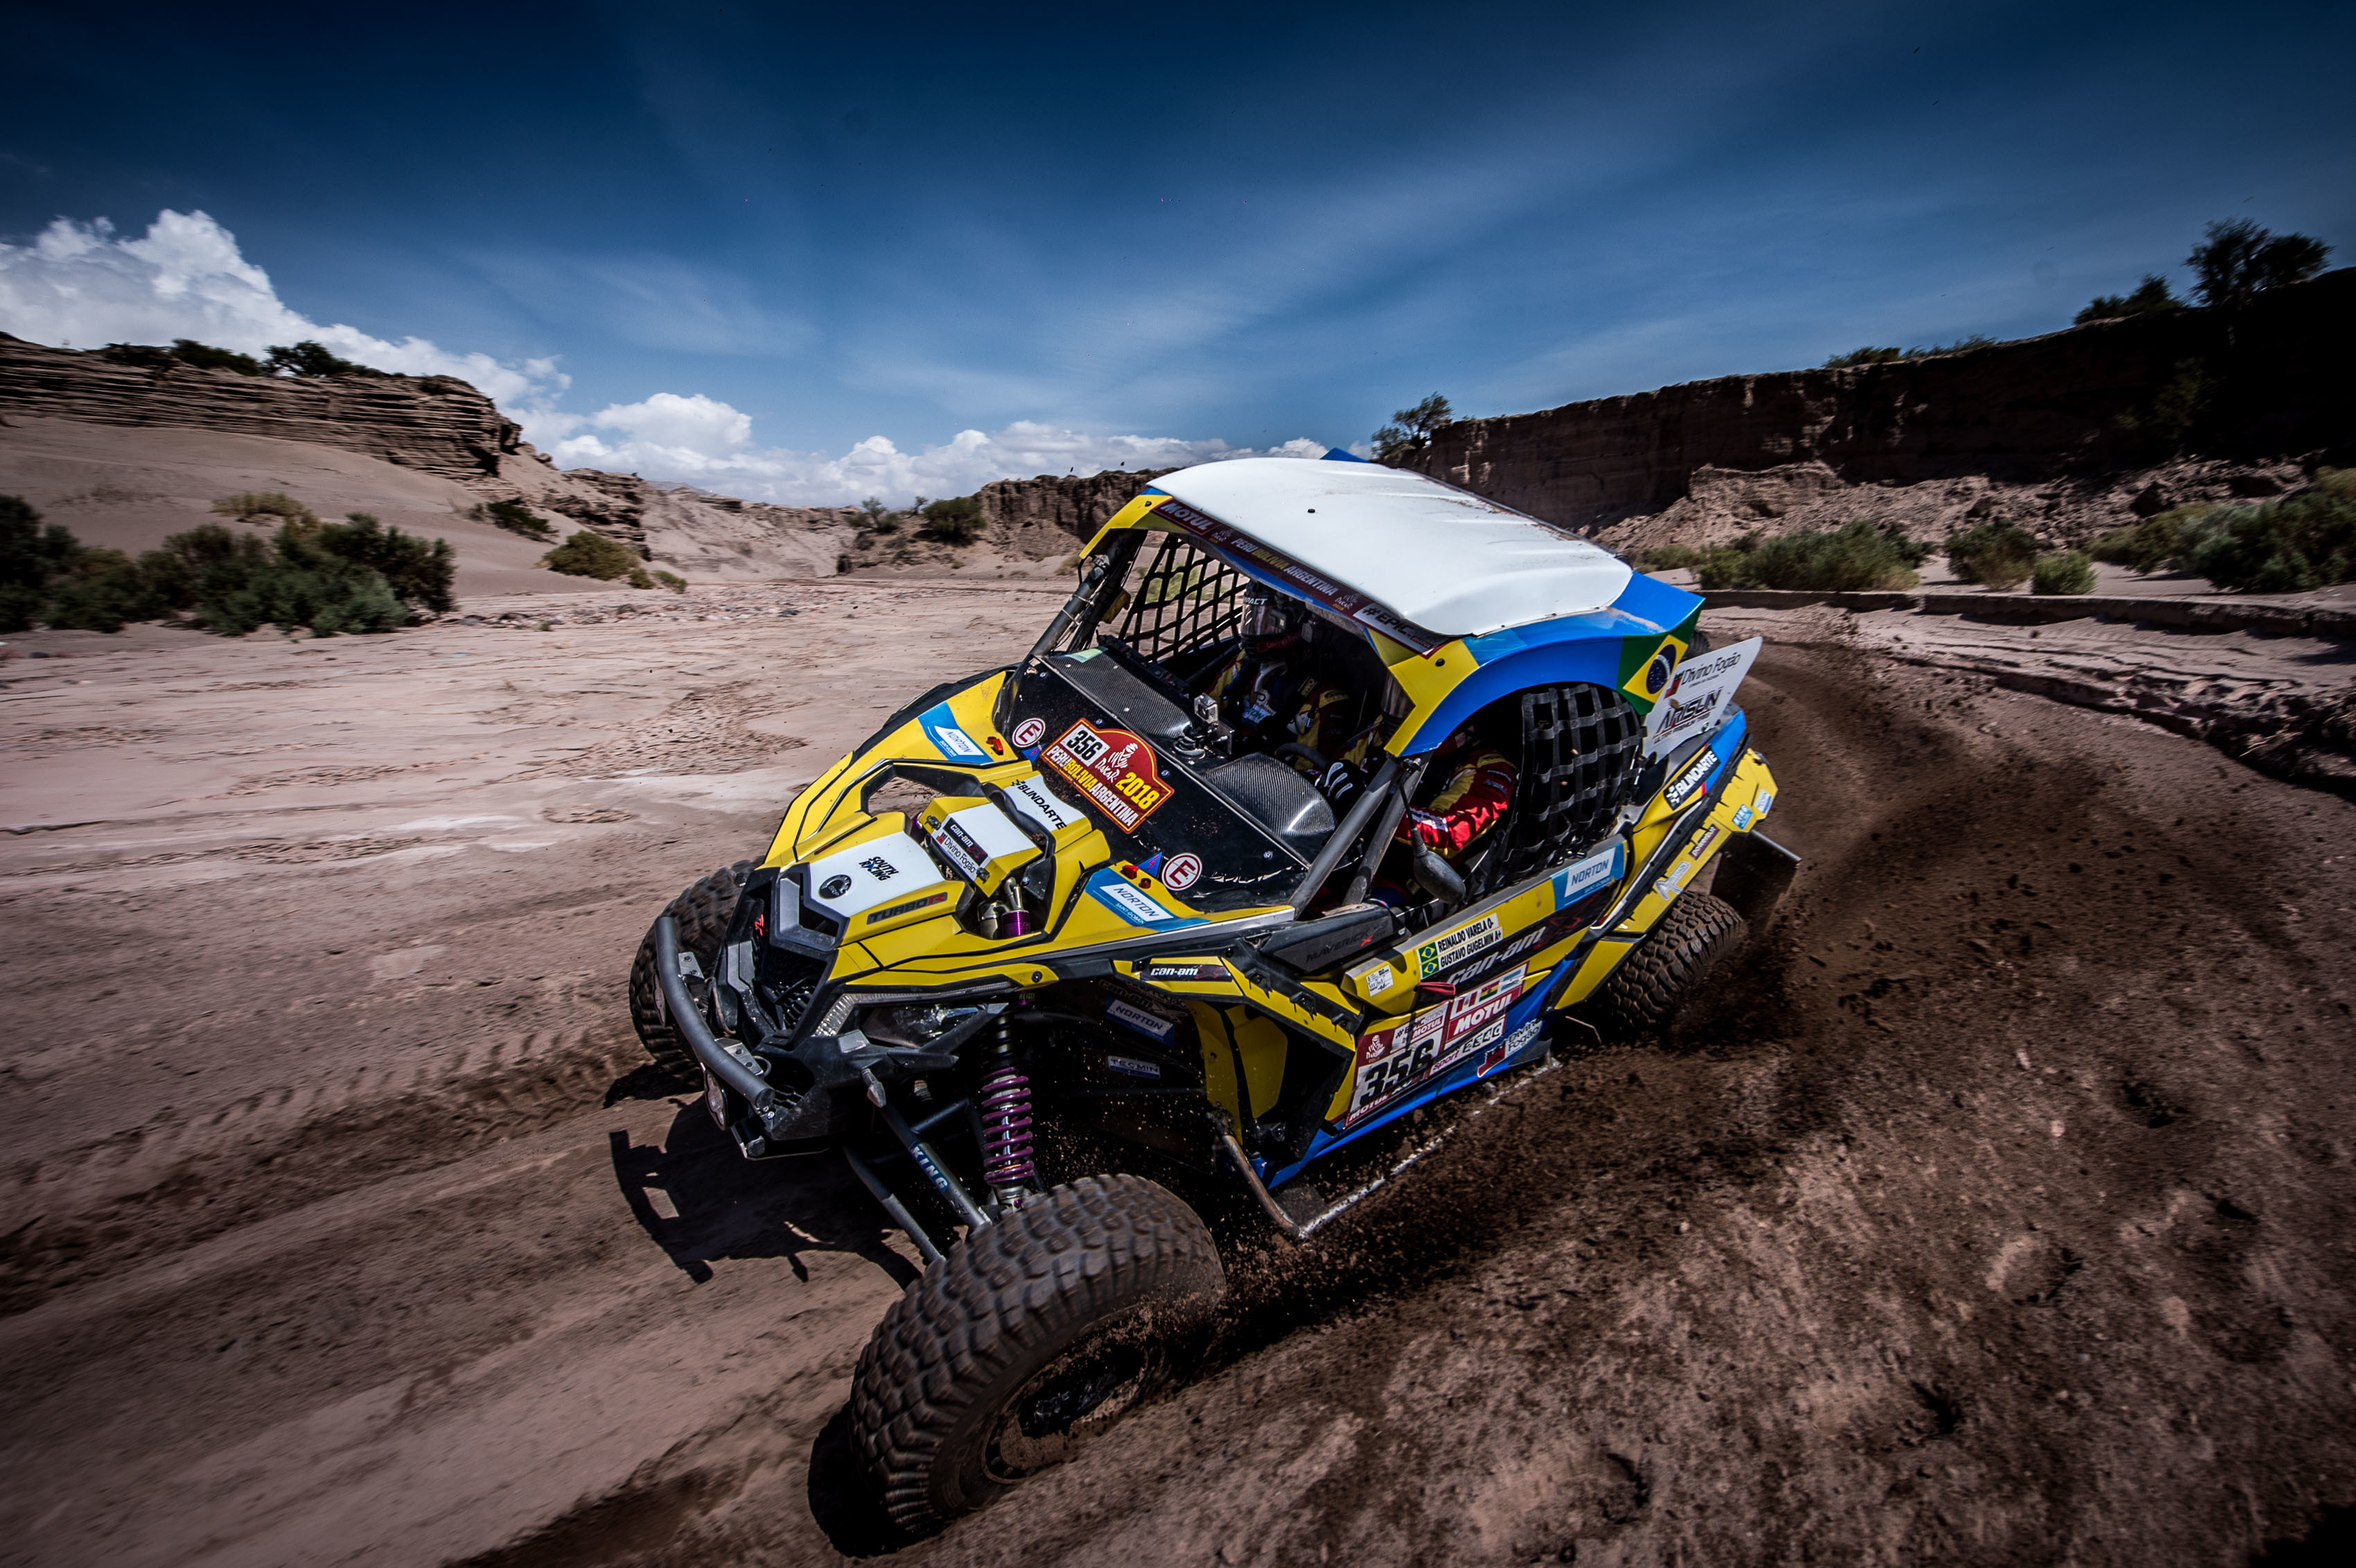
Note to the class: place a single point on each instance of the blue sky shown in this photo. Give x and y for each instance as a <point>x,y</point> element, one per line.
<point>734,242</point>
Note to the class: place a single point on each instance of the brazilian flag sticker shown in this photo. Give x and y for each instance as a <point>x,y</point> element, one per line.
<point>1648,665</point>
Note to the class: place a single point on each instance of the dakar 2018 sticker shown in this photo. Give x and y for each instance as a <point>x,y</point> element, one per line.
<point>1114,769</point>
<point>1394,1060</point>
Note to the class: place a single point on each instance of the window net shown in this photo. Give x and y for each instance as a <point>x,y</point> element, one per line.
<point>1187,604</point>
<point>1582,747</point>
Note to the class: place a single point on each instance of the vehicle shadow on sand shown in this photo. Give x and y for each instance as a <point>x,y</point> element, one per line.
<point>722,1206</point>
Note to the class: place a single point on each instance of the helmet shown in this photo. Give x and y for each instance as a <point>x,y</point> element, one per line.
<point>1265,614</point>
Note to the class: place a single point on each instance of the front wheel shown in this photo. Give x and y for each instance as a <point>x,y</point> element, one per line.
<point>703,911</point>
<point>1031,1336</point>
<point>1651,982</point>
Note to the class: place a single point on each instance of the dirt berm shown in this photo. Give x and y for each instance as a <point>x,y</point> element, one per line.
<point>1996,1208</point>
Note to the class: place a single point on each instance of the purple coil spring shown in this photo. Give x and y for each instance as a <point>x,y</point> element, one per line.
<point>1006,1126</point>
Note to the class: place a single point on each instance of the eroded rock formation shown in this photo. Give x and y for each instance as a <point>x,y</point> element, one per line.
<point>2070,427</point>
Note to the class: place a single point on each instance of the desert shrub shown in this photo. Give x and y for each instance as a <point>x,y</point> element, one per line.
<point>2150,296</point>
<point>591,555</point>
<point>1668,558</point>
<point>102,591</point>
<point>205,357</point>
<point>639,578</point>
<point>321,591</point>
<point>954,521</point>
<point>185,351</point>
<point>1856,556</point>
<point>420,571</point>
<point>1891,356</point>
<point>309,358</point>
<point>2306,540</point>
<point>2146,545</point>
<point>36,560</point>
<point>1997,554</point>
<point>251,505</point>
<point>2339,484</point>
<point>514,517</point>
<point>2067,572</point>
<point>672,580</point>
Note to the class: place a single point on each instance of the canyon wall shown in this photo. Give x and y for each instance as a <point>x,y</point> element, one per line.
<point>2075,408</point>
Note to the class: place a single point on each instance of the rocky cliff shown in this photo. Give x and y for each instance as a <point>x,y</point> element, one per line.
<point>434,423</point>
<point>2070,428</point>
<point>438,425</point>
<point>1048,514</point>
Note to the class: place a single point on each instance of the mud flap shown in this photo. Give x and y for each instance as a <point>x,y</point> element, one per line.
<point>1753,873</point>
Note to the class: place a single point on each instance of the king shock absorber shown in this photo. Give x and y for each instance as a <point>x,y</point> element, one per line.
<point>1006,1162</point>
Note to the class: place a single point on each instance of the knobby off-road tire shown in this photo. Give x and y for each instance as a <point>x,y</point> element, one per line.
<point>702,913</point>
<point>1668,967</point>
<point>1029,1337</point>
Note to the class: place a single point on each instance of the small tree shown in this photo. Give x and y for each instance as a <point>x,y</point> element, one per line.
<point>1866,356</point>
<point>310,358</point>
<point>2151,297</point>
<point>1412,429</point>
<point>2239,260</point>
<point>955,521</point>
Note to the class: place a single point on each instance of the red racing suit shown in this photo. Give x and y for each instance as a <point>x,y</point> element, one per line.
<point>1475,795</point>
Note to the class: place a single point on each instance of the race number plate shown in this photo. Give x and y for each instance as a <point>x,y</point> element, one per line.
<point>1393,1061</point>
<point>1116,770</point>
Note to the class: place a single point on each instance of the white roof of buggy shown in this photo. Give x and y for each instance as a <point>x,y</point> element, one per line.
<point>1440,556</point>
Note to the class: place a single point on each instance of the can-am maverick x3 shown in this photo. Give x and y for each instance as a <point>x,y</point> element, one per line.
<point>1157,916</point>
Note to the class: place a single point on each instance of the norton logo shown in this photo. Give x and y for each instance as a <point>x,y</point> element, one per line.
<point>834,887</point>
<point>1656,674</point>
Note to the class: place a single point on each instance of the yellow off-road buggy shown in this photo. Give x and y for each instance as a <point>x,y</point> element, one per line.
<point>1066,941</point>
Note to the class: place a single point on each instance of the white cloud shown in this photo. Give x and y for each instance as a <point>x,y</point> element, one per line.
<point>80,286</point>
<point>706,443</point>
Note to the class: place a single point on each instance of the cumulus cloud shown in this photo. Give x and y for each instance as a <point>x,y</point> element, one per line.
<point>703,441</point>
<point>79,285</point>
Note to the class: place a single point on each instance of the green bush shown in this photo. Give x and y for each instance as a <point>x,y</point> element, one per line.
<point>2144,545</point>
<point>639,578</point>
<point>1997,554</point>
<point>1871,355</point>
<point>591,555</point>
<point>2069,571</point>
<point>300,583</point>
<point>954,521</point>
<point>514,517</point>
<point>248,505</point>
<point>672,580</point>
<point>309,358</point>
<point>2303,541</point>
<point>2149,298</point>
<point>420,571</point>
<point>103,589</point>
<point>1856,557</point>
<point>1668,558</point>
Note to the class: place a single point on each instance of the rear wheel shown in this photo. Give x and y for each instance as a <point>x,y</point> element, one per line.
<point>1651,982</point>
<point>702,913</point>
<point>1034,1335</point>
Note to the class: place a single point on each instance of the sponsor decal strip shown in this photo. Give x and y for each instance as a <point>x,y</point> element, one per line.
<point>900,908</point>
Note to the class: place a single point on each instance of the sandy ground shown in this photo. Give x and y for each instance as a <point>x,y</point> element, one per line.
<point>1995,1210</point>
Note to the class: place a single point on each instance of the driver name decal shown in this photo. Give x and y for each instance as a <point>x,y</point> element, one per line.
<point>1116,770</point>
<point>1453,946</point>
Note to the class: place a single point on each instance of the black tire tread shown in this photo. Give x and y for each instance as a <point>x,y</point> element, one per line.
<point>1006,1299</point>
<point>703,911</point>
<point>1651,982</point>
